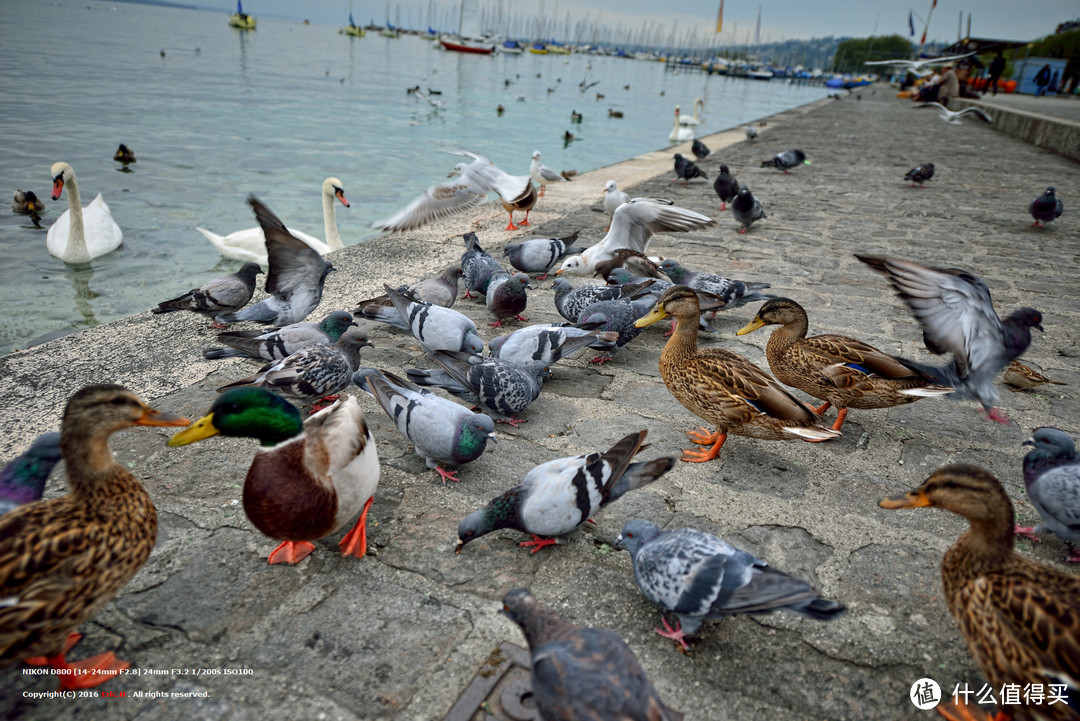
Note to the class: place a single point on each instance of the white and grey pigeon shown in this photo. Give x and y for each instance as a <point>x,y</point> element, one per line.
<point>700,577</point>
<point>441,290</point>
<point>542,174</point>
<point>548,343</point>
<point>1052,480</point>
<point>786,160</point>
<point>1045,208</point>
<point>477,266</point>
<point>311,373</point>
<point>613,198</point>
<point>220,295</point>
<point>582,674</point>
<point>506,297</point>
<point>499,386</point>
<point>443,433</point>
<point>570,301</point>
<point>746,209</point>
<point>556,498</point>
<point>436,328</point>
<point>957,316</point>
<point>632,226</point>
<point>734,293</point>
<point>276,343</point>
<point>294,280</point>
<point>539,255</point>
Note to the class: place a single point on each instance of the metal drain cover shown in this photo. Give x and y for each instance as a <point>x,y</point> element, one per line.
<point>500,691</point>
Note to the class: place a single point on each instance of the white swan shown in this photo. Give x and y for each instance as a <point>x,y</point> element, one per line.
<point>80,234</point>
<point>680,133</point>
<point>695,120</point>
<point>250,244</point>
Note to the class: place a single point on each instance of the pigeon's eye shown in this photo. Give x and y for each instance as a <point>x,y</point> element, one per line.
<point>629,535</point>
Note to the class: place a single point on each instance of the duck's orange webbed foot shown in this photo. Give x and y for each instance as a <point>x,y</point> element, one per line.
<point>291,552</point>
<point>355,541</point>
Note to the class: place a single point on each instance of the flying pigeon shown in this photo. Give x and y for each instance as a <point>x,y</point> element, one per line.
<point>506,297</point>
<point>734,293</point>
<point>220,295</point>
<point>582,674</point>
<point>687,169</point>
<point>613,198</point>
<point>786,160</point>
<point>726,187</point>
<point>436,328</point>
<point>542,174</point>
<point>539,255</point>
<point>443,433</point>
<point>440,290</point>
<point>746,209</point>
<point>295,279</point>
<point>23,479</point>
<point>957,316</point>
<point>1045,208</point>
<point>1052,480</point>
<point>700,577</point>
<point>276,343</point>
<point>548,343</point>
<point>499,386</point>
<point>920,174</point>
<point>699,149</point>
<point>477,266</point>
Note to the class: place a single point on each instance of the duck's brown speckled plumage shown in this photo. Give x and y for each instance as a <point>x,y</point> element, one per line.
<point>1020,618</point>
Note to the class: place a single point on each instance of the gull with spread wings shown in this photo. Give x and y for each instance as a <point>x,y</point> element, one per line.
<point>919,67</point>
<point>953,116</point>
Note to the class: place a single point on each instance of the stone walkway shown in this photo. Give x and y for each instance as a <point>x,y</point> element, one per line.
<point>400,634</point>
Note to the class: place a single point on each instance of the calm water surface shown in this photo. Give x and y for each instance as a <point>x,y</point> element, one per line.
<point>274,112</point>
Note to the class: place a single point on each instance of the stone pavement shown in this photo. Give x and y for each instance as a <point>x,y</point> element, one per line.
<point>400,634</point>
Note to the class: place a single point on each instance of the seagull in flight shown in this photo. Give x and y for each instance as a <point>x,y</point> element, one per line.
<point>953,117</point>
<point>919,67</point>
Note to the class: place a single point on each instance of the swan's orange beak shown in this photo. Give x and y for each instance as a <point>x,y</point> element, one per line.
<point>57,186</point>
<point>341,196</point>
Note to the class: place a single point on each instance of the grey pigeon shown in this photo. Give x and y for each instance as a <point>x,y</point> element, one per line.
<point>540,255</point>
<point>687,169</point>
<point>1045,208</point>
<point>436,328</point>
<point>441,290</point>
<point>277,343</point>
<point>477,266</point>
<point>733,292</point>
<point>658,287</point>
<point>583,674</point>
<point>220,295</point>
<point>295,279</point>
<point>311,373</point>
<point>618,316</point>
<point>751,132</point>
<point>1052,479</point>
<point>786,160</point>
<point>700,577</point>
<point>506,297</point>
<point>497,385</point>
<point>957,316</point>
<point>441,431</point>
<point>548,343</point>
<point>22,480</point>
<point>726,187</point>
<point>570,301</point>
<point>556,498</point>
<point>746,208</point>
<point>636,263</point>
<point>920,174</point>
<point>699,149</point>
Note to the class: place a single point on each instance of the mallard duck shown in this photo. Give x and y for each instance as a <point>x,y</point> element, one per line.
<point>124,154</point>
<point>61,560</point>
<point>1019,617</point>
<point>26,201</point>
<point>724,388</point>
<point>308,478</point>
<point>839,370</point>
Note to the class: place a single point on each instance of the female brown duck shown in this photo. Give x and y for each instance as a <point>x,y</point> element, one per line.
<point>841,371</point>
<point>724,388</point>
<point>63,559</point>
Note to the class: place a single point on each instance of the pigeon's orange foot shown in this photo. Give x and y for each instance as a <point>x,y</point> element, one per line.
<point>997,415</point>
<point>355,541</point>
<point>601,359</point>
<point>496,324</point>
<point>537,543</point>
<point>741,231</point>
<point>723,206</point>
<point>446,475</point>
<point>291,552</point>
<point>675,634</point>
<point>542,277</point>
<point>512,422</point>
<point>323,403</point>
<point>1027,532</point>
<point>522,318</point>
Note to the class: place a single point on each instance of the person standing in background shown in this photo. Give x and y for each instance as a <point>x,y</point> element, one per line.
<point>997,67</point>
<point>1042,79</point>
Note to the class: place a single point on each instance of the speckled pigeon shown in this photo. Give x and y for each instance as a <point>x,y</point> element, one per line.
<point>700,577</point>
<point>733,292</point>
<point>441,290</point>
<point>920,174</point>
<point>1052,479</point>
<point>746,209</point>
<point>277,343</point>
<point>556,498</point>
<point>570,301</point>
<point>477,266</point>
<point>687,169</point>
<point>1045,208</point>
<point>441,431</point>
<point>294,280</point>
<point>786,160</point>
<point>956,313</point>
<point>506,297</point>
<point>23,479</point>
<point>583,674</point>
<point>618,316</point>
<point>499,386</point>
<point>220,295</point>
<point>548,343</point>
<point>699,149</point>
<point>726,186</point>
<point>539,255</point>
<point>658,287</point>
<point>436,328</point>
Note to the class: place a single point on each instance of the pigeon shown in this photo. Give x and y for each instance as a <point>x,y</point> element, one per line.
<point>956,313</point>
<point>1045,208</point>
<point>746,208</point>
<point>311,373</point>
<point>632,226</point>
<point>276,343</point>
<point>220,295</point>
<point>539,255</point>
<point>477,266</point>
<point>700,150</point>
<point>1020,377</point>
<point>570,301</point>
<point>556,498</point>
<point>687,169</point>
<point>542,174</point>
<point>1052,480</point>
<point>726,187</point>
<point>436,328</point>
<point>953,116</point>
<point>440,290</point>
<point>499,386</point>
<point>582,674</point>
<point>618,316</point>
<point>295,279</point>
<point>734,293</point>
<point>635,263</point>
<point>786,160</point>
<point>613,198</point>
<point>441,431</point>
<point>548,343</point>
<point>658,287</point>
<point>751,132</point>
<point>506,297</point>
<point>700,577</point>
<point>22,480</point>
<point>920,174</point>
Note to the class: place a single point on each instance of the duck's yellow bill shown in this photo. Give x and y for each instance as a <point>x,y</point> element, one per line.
<point>199,430</point>
<point>911,499</point>
<point>655,315</point>
<point>154,417</point>
<point>751,326</point>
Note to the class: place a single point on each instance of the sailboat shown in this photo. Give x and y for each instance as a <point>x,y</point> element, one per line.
<point>391,31</point>
<point>468,29</point>
<point>352,28</point>
<point>240,19</point>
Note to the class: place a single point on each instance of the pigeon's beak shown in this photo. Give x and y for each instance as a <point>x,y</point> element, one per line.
<point>1039,326</point>
<point>492,437</point>
<point>618,541</point>
<point>1029,442</point>
<point>460,545</point>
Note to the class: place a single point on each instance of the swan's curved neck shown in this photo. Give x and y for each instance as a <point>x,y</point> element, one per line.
<point>329,215</point>
<point>76,244</point>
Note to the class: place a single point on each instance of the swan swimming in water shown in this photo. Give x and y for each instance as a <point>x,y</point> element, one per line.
<point>80,234</point>
<point>680,133</point>
<point>694,119</point>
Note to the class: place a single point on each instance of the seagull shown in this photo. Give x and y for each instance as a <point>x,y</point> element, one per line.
<point>953,116</point>
<point>919,66</point>
<point>541,173</point>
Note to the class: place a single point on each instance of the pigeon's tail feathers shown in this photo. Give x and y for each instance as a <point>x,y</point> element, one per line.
<point>641,474</point>
<point>767,163</point>
<point>217,352</point>
<point>819,609</point>
<point>619,457</point>
<point>571,250</point>
<point>945,375</point>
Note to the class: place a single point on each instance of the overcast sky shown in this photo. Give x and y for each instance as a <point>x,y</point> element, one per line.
<point>780,19</point>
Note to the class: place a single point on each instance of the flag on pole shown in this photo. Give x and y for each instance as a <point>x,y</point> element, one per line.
<point>720,17</point>
<point>911,23</point>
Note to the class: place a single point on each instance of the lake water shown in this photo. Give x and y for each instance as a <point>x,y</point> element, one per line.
<point>225,113</point>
